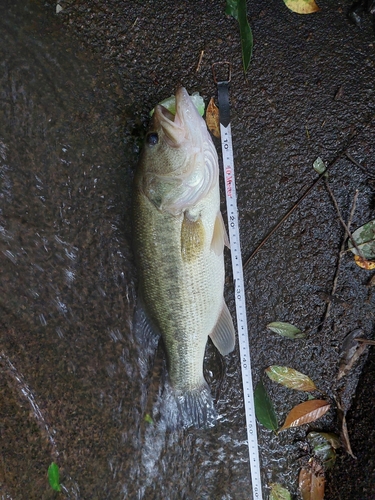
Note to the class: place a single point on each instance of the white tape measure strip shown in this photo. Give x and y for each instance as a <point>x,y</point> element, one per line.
<point>239,290</point>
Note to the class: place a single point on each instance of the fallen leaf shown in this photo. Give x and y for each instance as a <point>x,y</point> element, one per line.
<point>290,378</point>
<point>306,412</point>
<point>170,103</point>
<point>302,6</point>
<point>339,93</point>
<point>332,438</point>
<point>278,492</point>
<point>322,447</point>
<point>364,237</point>
<point>350,353</point>
<point>237,9</point>
<point>286,330</point>
<point>363,263</point>
<point>212,118</point>
<point>344,429</point>
<point>54,477</point>
<point>148,419</point>
<point>264,410</point>
<point>319,166</point>
<point>311,481</point>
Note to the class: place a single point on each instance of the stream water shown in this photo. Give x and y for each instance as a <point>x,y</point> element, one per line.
<point>72,390</point>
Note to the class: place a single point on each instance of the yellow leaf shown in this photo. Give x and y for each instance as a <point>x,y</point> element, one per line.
<point>363,263</point>
<point>290,378</point>
<point>212,118</point>
<point>306,412</point>
<point>302,6</point>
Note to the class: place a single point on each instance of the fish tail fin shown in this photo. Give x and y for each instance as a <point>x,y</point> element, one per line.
<point>188,408</point>
<point>197,407</point>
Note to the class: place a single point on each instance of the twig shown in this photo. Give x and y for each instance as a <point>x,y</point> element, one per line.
<point>340,155</point>
<point>365,341</point>
<point>336,277</point>
<point>298,202</point>
<point>200,61</point>
<point>348,233</point>
<point>357,164</point>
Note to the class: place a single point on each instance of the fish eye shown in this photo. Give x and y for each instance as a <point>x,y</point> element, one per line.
<point>152,138</point>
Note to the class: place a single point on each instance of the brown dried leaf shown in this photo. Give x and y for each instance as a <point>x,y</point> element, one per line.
<point>351,351</point>
<point>346,365</point>
<point>344,429</point>
<point>312,481</point>
<point>306,412</point>
<point>212,118</point>
<point>290,378</point>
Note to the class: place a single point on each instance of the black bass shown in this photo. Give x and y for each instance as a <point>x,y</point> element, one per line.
<point>179,238</point>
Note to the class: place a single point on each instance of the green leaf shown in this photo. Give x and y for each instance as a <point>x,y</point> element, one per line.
<point>319,166</point>
<point>364,236</point>
<point>286,330</point>
<point>148,419</point>
<point>54,477</point>
<point>170,103</point>
<point>264,410</point>
<point>323,445</point>
<point>290,378</point>
<point>237,9</point>
<point>231,9</point>
<point>246,35</point>
<point>278,492</point>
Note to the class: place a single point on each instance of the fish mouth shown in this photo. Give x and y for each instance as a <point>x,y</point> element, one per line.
<point>184,125</point>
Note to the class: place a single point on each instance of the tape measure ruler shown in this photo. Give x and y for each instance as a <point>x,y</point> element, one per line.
<point>239,288</point>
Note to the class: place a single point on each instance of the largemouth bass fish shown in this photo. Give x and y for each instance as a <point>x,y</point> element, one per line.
<point>179,238</point>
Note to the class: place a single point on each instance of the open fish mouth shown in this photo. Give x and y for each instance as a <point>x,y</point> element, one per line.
<point>184,126</point>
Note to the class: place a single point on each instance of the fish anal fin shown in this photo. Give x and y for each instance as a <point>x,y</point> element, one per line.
<point>192,238</point>
<point>223,335</point>
<point>219,237</point>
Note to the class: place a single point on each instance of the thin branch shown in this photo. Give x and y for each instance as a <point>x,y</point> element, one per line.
<point>200,61</point>
<point>357,164</point>
<point>344,152</point>
<point>365,341</point>
<point>298,202</point>
<point>347,230</point>
<point>336,277</point>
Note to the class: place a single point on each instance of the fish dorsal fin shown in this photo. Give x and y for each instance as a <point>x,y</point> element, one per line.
<point>219,237</point>
<point>223,335</point>
<point>192,238</point>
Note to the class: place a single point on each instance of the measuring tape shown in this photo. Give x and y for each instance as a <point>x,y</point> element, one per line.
<point>239,288</point>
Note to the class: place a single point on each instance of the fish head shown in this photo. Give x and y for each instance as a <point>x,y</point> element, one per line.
<point>179,161</point>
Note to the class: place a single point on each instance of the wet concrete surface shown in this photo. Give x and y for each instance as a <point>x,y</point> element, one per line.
<point>76,89</point>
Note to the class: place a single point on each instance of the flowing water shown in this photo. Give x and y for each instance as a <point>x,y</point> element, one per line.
<point>72,387</point>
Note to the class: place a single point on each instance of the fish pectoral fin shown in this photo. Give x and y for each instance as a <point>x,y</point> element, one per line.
<point>219,237</point>
<point>223,335</point>
<point>192,238</point>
